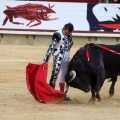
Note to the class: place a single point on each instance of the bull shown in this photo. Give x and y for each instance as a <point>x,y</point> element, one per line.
<point>91,65</point>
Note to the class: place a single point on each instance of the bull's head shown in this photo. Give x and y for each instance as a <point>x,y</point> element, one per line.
<point>78,78</point>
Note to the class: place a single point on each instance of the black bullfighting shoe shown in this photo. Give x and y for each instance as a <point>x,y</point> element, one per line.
<point>67,99</point>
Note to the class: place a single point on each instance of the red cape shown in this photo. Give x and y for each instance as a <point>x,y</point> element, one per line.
<point>36,83</point>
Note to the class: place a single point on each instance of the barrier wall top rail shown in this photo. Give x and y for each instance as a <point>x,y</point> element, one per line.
<point>84,34</point>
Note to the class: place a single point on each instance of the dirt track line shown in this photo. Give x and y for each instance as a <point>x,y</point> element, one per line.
<point>43,109</point>
<point>19,60</point>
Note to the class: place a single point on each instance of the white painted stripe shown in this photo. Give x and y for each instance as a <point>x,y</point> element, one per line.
<point>28,61</point>
<point>19,60</point>
<point>13,68</point>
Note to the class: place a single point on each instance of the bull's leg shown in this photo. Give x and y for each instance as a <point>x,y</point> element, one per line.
<point>35,24</point>
<point>100,78</point>
<point>18,23</point>
<point>5,20</point>
<point>98,96</point>
<point>11,20</point>
<point>39,22</point>
<point>29,23</point>
<point>97,89</point>
<point>111,90</point>
<point>93,83</point>
<point>92,99</point>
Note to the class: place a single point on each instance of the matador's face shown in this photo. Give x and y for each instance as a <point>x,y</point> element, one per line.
<point>66,32</point>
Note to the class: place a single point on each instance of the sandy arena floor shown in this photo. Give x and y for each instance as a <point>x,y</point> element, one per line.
<point>16,103</point>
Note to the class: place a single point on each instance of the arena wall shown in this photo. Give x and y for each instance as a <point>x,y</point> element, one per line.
<point>92,22</point>
<point>27,39</point>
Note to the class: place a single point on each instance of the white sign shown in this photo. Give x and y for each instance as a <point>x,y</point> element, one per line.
<point>50,16</point>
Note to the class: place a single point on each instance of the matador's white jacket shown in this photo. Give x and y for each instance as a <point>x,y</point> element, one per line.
<point>59,44</point>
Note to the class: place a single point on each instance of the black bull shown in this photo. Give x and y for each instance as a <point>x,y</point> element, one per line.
<point>90,74</point>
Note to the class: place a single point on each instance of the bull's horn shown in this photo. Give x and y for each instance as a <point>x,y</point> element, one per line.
<point>73,74</point>
<point>66,88</point>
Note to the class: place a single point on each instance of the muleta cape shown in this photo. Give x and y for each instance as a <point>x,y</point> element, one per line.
<point>38,87</point>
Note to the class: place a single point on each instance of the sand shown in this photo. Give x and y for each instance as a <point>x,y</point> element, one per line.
<point>16,103</point>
